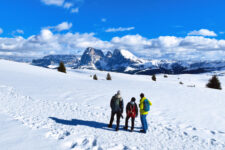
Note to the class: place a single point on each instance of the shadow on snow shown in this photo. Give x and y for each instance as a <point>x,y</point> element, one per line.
<point>75,122</point>
<point>93,124</point>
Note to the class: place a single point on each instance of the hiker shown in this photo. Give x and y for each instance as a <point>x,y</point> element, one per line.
<point>116,105</point>
<point>144,108</point>
<point>132,112</point>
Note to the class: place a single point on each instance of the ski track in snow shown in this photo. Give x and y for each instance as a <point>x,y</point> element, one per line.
<point>81,126</point>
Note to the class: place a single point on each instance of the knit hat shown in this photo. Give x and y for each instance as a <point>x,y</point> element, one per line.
<point>133,99</point>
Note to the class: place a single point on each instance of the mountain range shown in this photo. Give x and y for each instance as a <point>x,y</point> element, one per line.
<point>121,60</point>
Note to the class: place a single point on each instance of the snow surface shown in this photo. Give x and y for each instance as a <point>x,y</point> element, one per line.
<point>16,136</point>
<point>71,111</point>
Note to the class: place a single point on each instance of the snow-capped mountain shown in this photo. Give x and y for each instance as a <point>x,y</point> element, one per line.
<point>54,60</point>
<point>122,60</point>
<point>90,57</point>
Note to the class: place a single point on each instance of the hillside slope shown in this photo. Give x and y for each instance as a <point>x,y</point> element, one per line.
<point>74,110</point>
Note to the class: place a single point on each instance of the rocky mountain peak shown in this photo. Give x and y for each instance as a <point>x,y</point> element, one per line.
<point>109,54</point>
<point>91,56</point>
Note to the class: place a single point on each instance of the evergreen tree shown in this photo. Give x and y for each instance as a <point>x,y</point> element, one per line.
<point>62,67</point>
<point>214,83</point>
<point>153,77</point>
<point>108,77</point>
<point>95,77</point>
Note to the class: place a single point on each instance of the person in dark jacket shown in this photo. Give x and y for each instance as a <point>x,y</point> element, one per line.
<point>116,105</point>
<point>132,112</point>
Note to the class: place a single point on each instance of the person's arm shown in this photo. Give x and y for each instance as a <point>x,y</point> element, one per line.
<point>141,105</point>
<point>150,102</point>
<point>136,109</point>
<point>111,102</point>
<point>127,107</point>
<point>121,106</point>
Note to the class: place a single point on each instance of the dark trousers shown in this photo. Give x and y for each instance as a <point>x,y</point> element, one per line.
<point>132,122</point>
<point>117,117</point>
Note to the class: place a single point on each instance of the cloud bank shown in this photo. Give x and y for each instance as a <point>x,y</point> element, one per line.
<point>163,47</point>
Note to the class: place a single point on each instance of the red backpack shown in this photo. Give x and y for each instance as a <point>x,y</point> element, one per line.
<point>132,111</point>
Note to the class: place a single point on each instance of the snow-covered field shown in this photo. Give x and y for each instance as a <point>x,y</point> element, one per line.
<point>44,109</point>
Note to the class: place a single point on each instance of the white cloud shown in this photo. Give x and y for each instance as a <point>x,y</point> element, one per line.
<point>1,30</point>
<point>53,2</point>
<point>61,27</point>
<point>68,5</point>
<point>103,20</point>
<point>46,34</point>
<point>75,10</point>
<point>65,4</point>
<point>163,47</point>
<point>120,29</point>
<point>203,32</point>
<point>18,31</point>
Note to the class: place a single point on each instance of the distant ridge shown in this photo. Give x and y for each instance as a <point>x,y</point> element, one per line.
<point>121,60</point>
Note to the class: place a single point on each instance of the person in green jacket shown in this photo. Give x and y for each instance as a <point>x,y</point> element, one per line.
<point>144,108</point>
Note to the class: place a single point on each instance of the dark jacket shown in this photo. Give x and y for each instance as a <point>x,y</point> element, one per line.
<point>128,107</point>
<point>117,108</point>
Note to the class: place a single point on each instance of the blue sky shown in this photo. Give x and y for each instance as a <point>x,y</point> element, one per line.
<point>115,21</point>
<point>151,18</point>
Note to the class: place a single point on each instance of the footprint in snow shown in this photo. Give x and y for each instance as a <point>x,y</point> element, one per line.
<point>185,133</point>
<point>194,129</point>
<point>169,129</point>
<point>221,132</point>
<point>213,132</point>
<point>195,138</point>
<point>213,142</point>
<point>63,135</point>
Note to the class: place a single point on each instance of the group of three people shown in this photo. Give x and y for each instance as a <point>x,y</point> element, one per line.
<point>116,105</point>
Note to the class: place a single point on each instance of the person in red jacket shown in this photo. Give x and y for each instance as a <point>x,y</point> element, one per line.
<point>132,112</point>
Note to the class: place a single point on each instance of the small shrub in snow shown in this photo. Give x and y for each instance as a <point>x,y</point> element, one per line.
<point>108,77</point>
<point>165,76</point>
<point>153,77</point>
<point>214,83</point>
<point>95,77</point>
<point>181,83</point>
<point>62,67</point>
